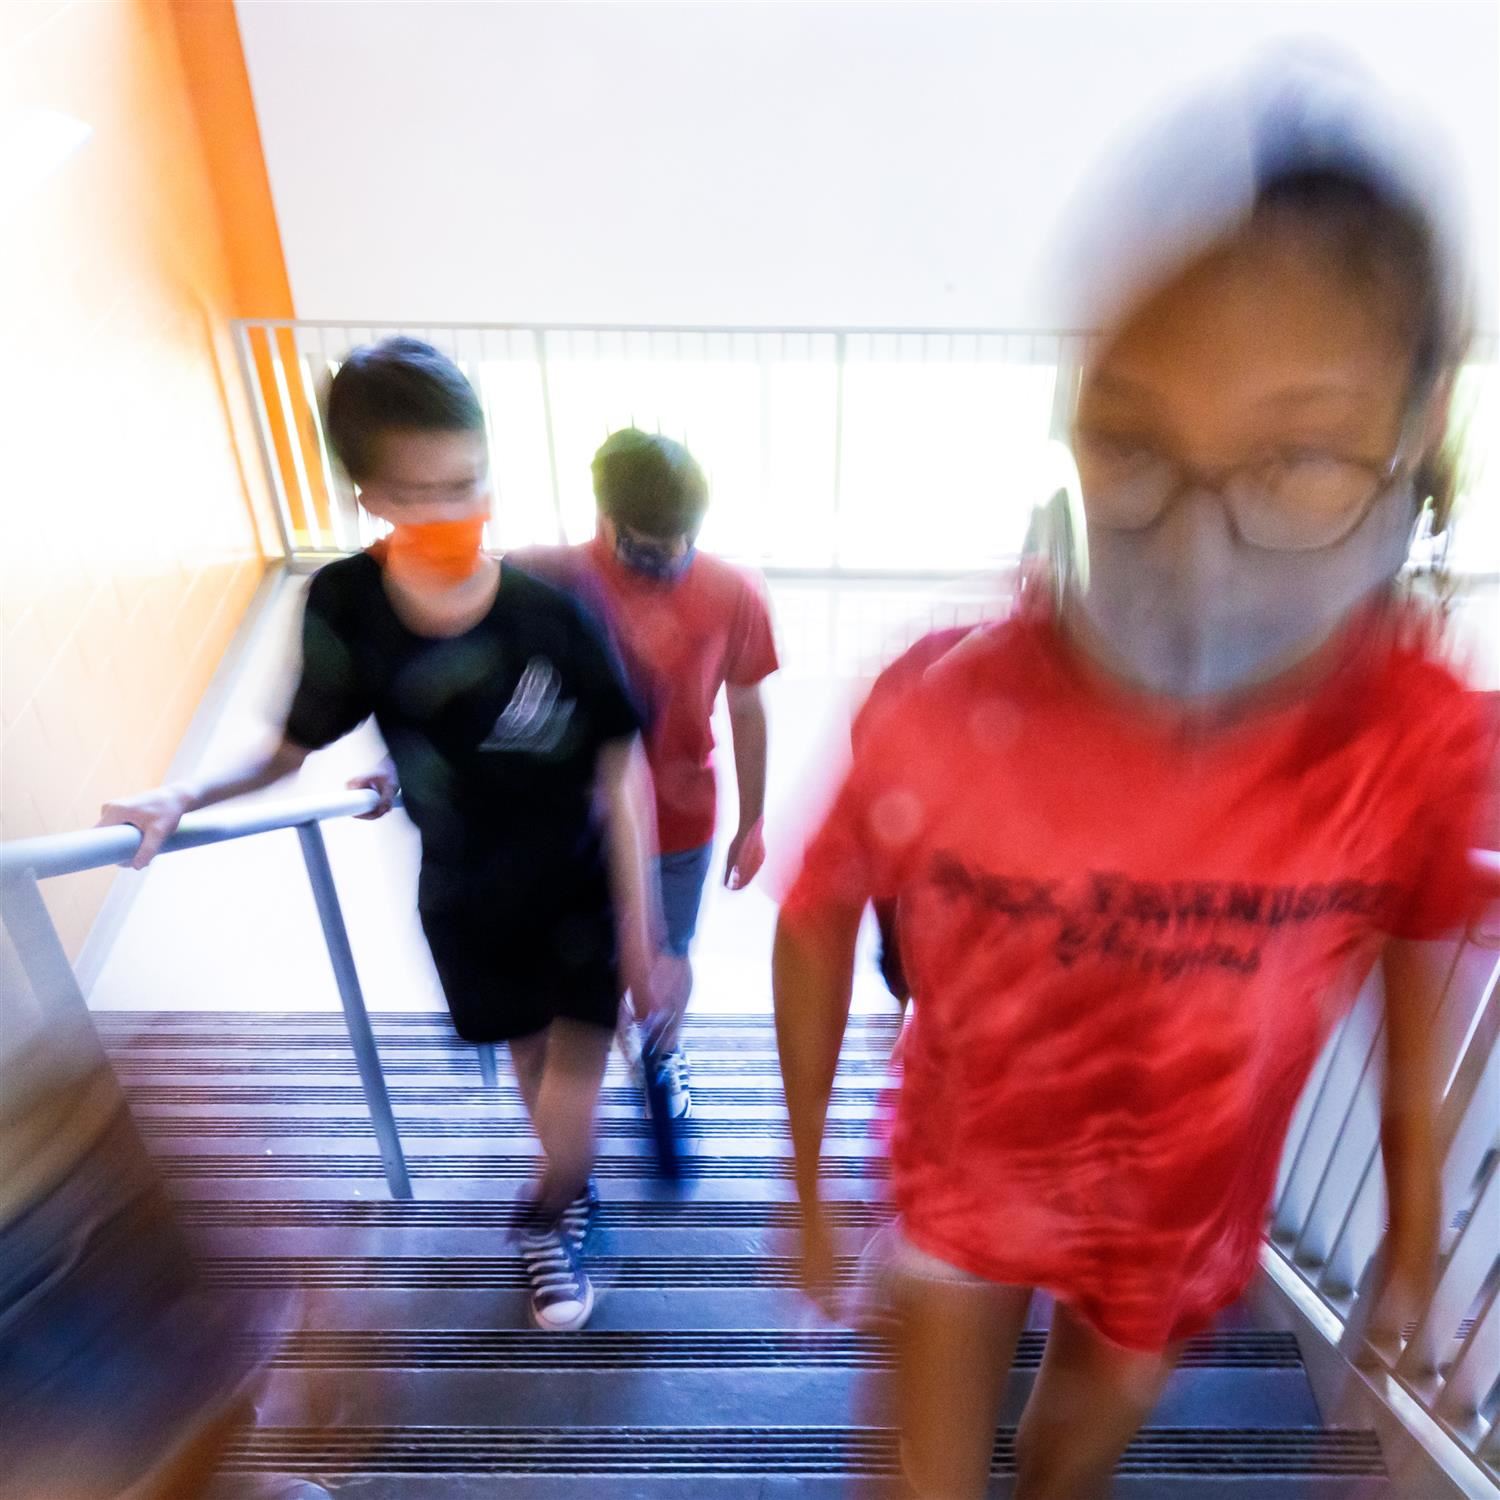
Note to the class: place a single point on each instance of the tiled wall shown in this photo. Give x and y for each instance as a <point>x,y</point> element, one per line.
<point>128,550</point>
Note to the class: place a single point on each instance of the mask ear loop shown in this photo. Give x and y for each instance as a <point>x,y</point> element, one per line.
<point>1054,554</point>
<point>1425,573</point>
<point>1057,539</point>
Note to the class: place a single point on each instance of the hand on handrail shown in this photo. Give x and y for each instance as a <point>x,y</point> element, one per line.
<point>156,813</point>
<point>108,843</point>
<point>382,781</point>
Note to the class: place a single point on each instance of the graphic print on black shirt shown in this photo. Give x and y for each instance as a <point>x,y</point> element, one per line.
<point>495,733</point>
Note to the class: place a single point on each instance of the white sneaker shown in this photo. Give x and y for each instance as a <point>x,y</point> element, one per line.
<point>562,1296</point>
<point>670,1082</point>
<point>579,1216</point>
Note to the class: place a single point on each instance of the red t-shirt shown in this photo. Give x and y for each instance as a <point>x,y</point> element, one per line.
<point>1127,946</point>
<point>681,643</point>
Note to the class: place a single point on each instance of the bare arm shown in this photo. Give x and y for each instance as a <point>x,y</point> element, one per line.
<point>747,724</point>
<point>812,969</point>
<point>1414,978</point>
<point>157,813</point>
<point>625,788</point>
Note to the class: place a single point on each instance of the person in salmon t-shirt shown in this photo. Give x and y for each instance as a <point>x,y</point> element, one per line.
<point>888,689</point>
<point>687,624</point>
<point>1149,834</point>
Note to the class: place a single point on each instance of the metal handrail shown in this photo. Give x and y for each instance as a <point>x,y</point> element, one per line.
<point>1327,1241</point>
<point>25,862</point>
<point>97,848</point>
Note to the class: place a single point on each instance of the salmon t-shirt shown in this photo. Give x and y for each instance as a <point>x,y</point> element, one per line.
<point>1127,944</point>
<point>681,643</point>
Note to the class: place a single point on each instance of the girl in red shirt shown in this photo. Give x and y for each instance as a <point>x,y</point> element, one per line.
<point>1148,835</point>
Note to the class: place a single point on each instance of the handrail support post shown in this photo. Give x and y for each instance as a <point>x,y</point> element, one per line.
<point>356,1016</point>
<point>489,1072</point>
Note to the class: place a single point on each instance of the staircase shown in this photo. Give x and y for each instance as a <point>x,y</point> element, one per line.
<point>413,1370</point>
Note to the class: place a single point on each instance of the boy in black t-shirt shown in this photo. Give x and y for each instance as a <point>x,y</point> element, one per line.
<point>517,747</point>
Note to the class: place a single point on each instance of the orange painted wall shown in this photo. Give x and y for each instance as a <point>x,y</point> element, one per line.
<point>132,512</point>
<point>218,82</point>
<point>208,40</point>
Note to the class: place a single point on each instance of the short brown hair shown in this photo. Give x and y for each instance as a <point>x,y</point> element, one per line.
<point>397,385</point>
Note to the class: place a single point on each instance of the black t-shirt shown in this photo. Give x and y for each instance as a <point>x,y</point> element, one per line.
<point>495,733</point>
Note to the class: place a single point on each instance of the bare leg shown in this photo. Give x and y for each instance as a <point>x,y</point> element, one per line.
<point>188,1472</point>
<point>1088,1402</point>
<point>678,976</point>
<point>528,1058</point>
<point>955,1342</point>
<point>565,1104</point>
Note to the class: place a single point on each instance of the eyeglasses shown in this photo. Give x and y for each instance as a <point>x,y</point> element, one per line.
<point>1297,501</point>
<point>443,492</point>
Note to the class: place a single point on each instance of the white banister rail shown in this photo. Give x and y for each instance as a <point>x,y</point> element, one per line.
<point>1328,1221</point>
<point>811,435</point>
<point>830,450</point>
<point>25,862</point>
<point>96,848</point>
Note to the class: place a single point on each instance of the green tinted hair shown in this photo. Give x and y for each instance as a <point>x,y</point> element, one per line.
<point>650,483</point>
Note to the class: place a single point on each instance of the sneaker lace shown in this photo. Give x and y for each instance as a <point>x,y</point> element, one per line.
<point>576,1215</point>
<point>674,1069</point>
<point>551,1265</point>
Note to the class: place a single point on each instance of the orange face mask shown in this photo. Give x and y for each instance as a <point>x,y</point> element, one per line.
<point>433,552</point>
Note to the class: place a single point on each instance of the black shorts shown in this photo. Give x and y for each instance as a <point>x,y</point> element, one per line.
<point>511,963</point>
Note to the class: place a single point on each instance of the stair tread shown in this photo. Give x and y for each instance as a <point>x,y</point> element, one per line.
<point>418,1328</point>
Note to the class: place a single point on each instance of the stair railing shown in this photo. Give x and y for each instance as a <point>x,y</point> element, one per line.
<point>1327,1233</point>
<point>1328,1219</point>
<point>24,863</point>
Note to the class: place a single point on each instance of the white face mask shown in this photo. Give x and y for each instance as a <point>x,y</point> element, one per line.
<point>1191,611</point>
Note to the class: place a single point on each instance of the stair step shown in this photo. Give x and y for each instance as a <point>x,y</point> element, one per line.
<point>413,1343</point>
<point>211,1021</point>
<point>265,1059</point>
<point>490,1165</point>
<point>700,1146</point>
<point>692,1226</point>
<point>765,1396</point>
<point>499,1272</point>
<point>635,1127</point>
<point>1285,1453</point>
<point>760,1045</point>
<point>615,1213</point>
<point>624,1095</point>
<point>684,1349</point>
<point>192,1188</point>
<point>830,1486</point>
<point>479,1306</point>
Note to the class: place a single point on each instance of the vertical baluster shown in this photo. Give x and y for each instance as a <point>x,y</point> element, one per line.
<point>356,1017</point>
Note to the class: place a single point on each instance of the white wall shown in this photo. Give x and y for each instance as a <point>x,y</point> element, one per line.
<point>756,162</point>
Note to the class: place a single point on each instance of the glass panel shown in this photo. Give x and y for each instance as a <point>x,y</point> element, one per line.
<point>943,461</point>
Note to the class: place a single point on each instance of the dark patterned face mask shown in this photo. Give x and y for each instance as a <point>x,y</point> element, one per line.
<point>652,560</point>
